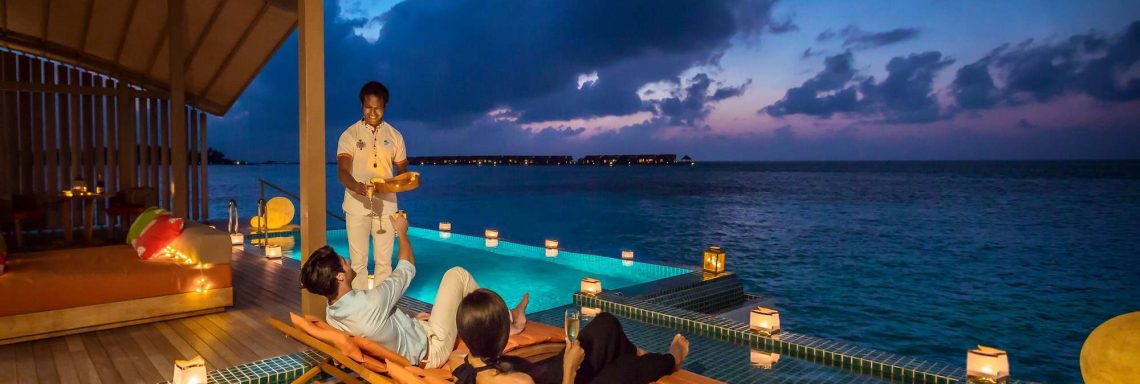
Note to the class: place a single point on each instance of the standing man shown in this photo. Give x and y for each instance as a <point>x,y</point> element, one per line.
<point>369,148</point>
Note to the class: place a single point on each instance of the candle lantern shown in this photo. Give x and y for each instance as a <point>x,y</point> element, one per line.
<point>491,243</point>
<point>591,286</point>
<point>79,185</point>
<point>445,226</point>
<point>237,239</point>
<point>191,371</point>
<point>491,234</point>
<point>273,251</point>
<point>987,365</point>
<point>763,359</point>
<point>552,252</point>
<point>627,254</point>
<point>551,244</point>
<point>714,260</point>
<point>765,321</point>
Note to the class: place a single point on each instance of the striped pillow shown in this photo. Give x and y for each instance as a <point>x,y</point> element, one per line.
<point>142,222</point>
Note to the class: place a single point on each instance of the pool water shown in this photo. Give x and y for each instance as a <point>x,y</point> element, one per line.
<point>512,269</point>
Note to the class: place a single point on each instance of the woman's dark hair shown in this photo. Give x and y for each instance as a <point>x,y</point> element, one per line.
<point>374,88</point>
<point>484,323</point>
<point>318,275</point>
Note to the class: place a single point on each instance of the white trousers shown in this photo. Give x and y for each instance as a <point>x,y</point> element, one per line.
<point>360,228</point>
<point>440,327</point>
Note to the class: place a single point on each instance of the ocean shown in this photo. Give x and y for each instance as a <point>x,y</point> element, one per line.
<point>925,259</point>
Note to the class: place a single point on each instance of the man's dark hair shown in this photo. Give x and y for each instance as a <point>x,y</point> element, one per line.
<point>318,275</point>
<point>374,88</point>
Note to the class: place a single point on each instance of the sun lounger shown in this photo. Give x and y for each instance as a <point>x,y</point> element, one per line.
<point>374,363</point>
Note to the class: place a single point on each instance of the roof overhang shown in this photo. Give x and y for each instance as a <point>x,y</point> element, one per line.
<point>228,41</point>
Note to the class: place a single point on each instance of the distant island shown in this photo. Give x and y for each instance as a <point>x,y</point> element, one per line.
<point>218,158</point>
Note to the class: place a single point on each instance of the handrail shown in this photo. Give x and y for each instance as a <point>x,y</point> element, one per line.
<point>291,195</point>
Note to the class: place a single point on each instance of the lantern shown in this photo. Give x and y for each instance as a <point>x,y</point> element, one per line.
<point>591,286</point>
<point>491,233</point>
<point>552,252</point>
<point>714,260</point>
<point>987,365</point>
<point>627,254</point>
<point>551,244</point>
<point>491,243</point>
<point>445,226</point>
<point>763,359</point>
<point>237,239</point>
<point>765,321</point>
<point>273,251</point>
<point>191,371</point>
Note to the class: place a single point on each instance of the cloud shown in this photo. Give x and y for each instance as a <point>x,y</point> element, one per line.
<point>858,39</point>
<point>528,57</point>
<point>905,96</point>
<point>1102,67</point>
<point>823,95</point>
<point>694,103</point>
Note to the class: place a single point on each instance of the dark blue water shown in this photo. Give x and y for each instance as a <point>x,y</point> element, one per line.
<point>921,259</point>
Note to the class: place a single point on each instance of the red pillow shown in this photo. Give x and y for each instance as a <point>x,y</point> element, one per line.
<point>156,236</point>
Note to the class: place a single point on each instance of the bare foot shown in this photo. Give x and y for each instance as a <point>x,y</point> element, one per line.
<point>679,349</point>
<point>518,315</point>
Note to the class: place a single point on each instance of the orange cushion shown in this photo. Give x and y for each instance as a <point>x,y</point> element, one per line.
<point>686,377</point>
<point>70,278</point>
<point>374,349</point>
<point>535,333</point>
<point>336,338</point>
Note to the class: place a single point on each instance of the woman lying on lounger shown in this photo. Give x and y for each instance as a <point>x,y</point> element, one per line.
<point>602,353</point>
<point>425,340</point>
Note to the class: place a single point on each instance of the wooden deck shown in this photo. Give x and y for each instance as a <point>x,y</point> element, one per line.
<point>146,353</point>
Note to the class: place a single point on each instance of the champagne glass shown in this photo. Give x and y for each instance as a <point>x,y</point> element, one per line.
<point>370,191</point>
<point>572,322</point>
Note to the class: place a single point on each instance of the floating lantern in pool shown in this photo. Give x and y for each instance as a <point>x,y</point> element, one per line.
<point>491,243</point>
<point>591,286</point>
<point>551,243</point>
<point>763,359</point>
<point>445,226</point>
<point>491,233</point>
<point>764,320</point>
<point>627,254</point>
<point>987,365</point>
<point>714,259</point>
<point>552,252</point>
<point>371,281</point>
<point>273,251</point>
<point>237,239</point>
<point>191,371</point>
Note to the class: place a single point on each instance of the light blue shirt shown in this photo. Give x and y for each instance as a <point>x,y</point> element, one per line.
<point>372,314</point>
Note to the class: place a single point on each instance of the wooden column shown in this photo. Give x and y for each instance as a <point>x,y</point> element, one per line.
<point>176,32</point>
<point>127,160</point>
<point>312,106</point>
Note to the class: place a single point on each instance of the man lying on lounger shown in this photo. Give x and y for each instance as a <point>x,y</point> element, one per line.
<point>372,313</point>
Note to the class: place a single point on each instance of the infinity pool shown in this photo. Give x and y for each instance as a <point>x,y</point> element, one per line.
<point>512,269</point>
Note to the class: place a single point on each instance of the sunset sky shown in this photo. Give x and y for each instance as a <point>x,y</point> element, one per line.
<point>720,80</point>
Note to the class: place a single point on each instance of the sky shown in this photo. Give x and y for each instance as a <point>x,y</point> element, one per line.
<point>719,79</point>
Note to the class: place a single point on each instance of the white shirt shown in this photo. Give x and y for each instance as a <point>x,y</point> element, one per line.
<point>373,153</point>
<point>372,314</point>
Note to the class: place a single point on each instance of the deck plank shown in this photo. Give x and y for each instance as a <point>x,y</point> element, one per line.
<point>81,360</point>
<point>123,363</point>
<point>7,363</point>
<point>25,364</point>
<point>45,363</point>
<point>103,367</point>
<point>64,367</point>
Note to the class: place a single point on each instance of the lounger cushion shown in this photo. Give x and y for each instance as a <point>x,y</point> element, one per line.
<point>534,333</point>
<point>336,338</point>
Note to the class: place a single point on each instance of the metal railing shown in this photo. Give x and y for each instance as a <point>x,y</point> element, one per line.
<point>262,229</point>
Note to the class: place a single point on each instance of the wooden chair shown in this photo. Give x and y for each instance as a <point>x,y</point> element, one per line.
<point>534,344</point>
<point>128,203</point>
<point>26,208</point>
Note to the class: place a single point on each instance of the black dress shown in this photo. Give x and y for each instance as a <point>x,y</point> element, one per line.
<point>610,358</point>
